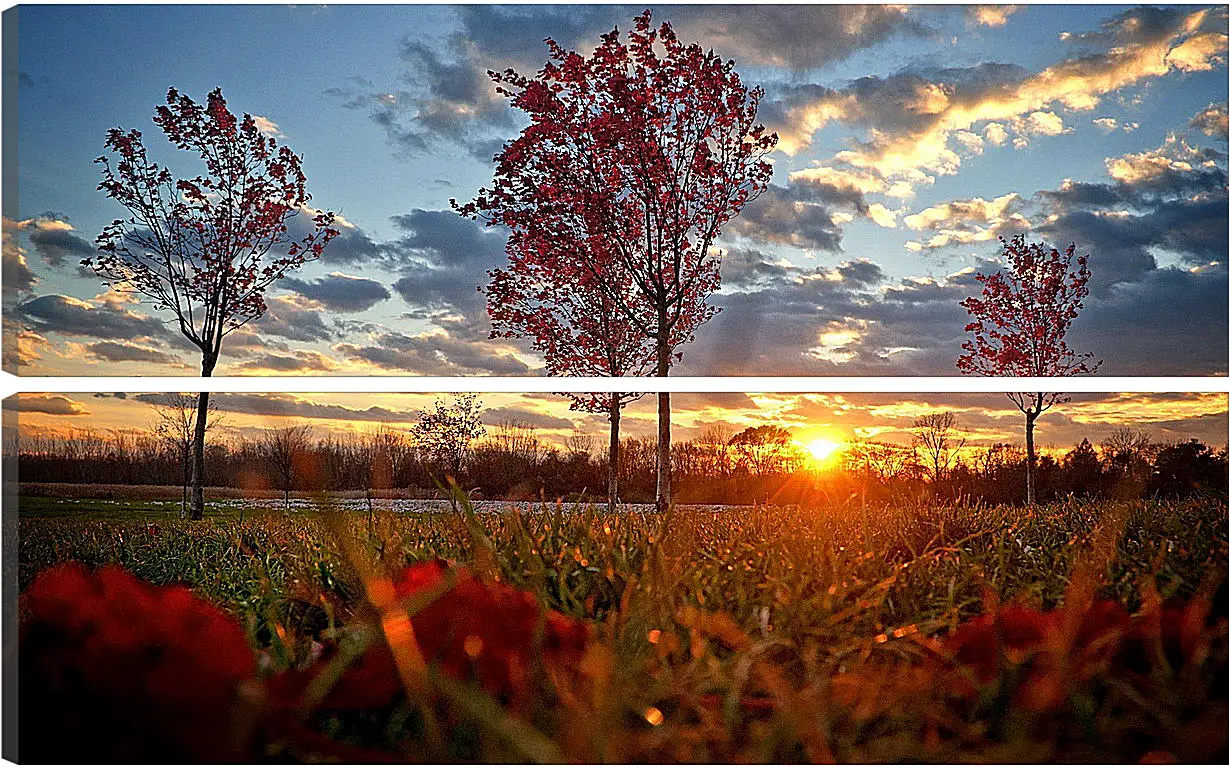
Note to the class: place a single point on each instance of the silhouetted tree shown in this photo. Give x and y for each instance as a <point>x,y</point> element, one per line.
<point>933,437</point>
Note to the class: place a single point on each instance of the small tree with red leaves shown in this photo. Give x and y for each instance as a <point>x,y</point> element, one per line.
<point>1020,324</point>
<point>635,158</point>
<point>574,324</point>
<point>205,248</point>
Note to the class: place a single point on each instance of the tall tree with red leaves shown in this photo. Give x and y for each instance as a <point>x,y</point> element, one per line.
<point>205,248</point>
<point>634,159</point>
<point>1020,324</point>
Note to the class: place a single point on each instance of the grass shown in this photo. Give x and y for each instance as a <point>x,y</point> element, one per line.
<point>690,605</point>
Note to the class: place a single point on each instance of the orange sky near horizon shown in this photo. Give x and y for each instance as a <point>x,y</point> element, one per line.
<point>983,419</point>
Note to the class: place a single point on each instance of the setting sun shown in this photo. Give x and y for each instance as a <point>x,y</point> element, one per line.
<point>823,450</point>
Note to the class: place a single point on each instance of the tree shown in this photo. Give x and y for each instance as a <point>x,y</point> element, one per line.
<point>446,432</point>
<point>205,248</point>
<point>174,424</point>
<point>632,162</point>
<point>1082,470</point>
<point>933,439</point>
<point>1128,453</point>
<point>573,323</point>
<point>762,450</point>
<point>1020,324</point>
<point>283,450</point>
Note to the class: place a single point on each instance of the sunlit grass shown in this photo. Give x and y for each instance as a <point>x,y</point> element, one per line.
<point>698,611</point>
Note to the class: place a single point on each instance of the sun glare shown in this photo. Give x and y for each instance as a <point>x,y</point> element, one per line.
<point>823,451</point>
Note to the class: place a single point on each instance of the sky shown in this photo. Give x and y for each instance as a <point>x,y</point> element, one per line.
<point>910,139</point>
<point>982,418</point>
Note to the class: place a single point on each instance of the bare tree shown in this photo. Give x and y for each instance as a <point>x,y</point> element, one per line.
<point>447,432</point>
<point>934,440</point>
<point>175,425</point>
<point>282,449</point>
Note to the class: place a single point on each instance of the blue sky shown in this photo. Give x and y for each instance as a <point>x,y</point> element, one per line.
<point>910,139</point>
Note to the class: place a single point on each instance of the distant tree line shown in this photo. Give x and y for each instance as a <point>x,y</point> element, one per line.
<point>511,461</point>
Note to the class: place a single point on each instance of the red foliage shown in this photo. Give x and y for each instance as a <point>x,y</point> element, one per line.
<point>1021,319</point>
<point>1049,652</point>
<point>490,633</point>
<point>633,160</point>
<point>114,670</point>
<point>632,163</point>
<point>207,247</point>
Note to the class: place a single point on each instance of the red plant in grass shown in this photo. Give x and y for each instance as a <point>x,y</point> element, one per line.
<point>490,633</point>
<point>111,669</point>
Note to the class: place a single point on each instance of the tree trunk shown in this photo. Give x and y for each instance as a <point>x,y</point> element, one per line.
<point>1030,457</point>
<point>663,416</point>
<point>197,511</point>
<point>612,468</point>
<point>185,461</point>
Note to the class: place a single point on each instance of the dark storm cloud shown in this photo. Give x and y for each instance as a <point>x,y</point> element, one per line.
<point>63,314</point>
<point>339,292</point>
<point>291,405</point>
<point>434,355</point>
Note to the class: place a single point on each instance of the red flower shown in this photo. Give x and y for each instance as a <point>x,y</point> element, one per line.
<point>114,670</point>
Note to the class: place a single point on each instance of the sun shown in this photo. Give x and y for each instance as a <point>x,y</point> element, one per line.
<point>823,451</point>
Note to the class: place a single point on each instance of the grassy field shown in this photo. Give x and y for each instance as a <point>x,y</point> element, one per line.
<point>761,634</point>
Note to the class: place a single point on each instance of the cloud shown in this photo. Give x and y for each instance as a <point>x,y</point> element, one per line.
<point>443,93</point>
<point>912,116</point>
<point>121,351</point>
<point>789,216</point>
<point>990,15</point>
<point>294,318</point>
<point>434,354</point>
<point>64,314</point>
<point>1212,120</point>
<point>442,258</point>
<point>293,405</point>
<point>522,416</point>
<point>1171,321</point>
<point>1172,198</point>
<point>56,405</point>
<point>52,238</point>
<point>299,361</point>
<point>267,127</point>
<point>17,276</point>
<point>340,292</point>
<point>962,222</point>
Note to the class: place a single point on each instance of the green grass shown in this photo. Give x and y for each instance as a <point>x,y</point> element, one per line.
<point>809,593</point>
